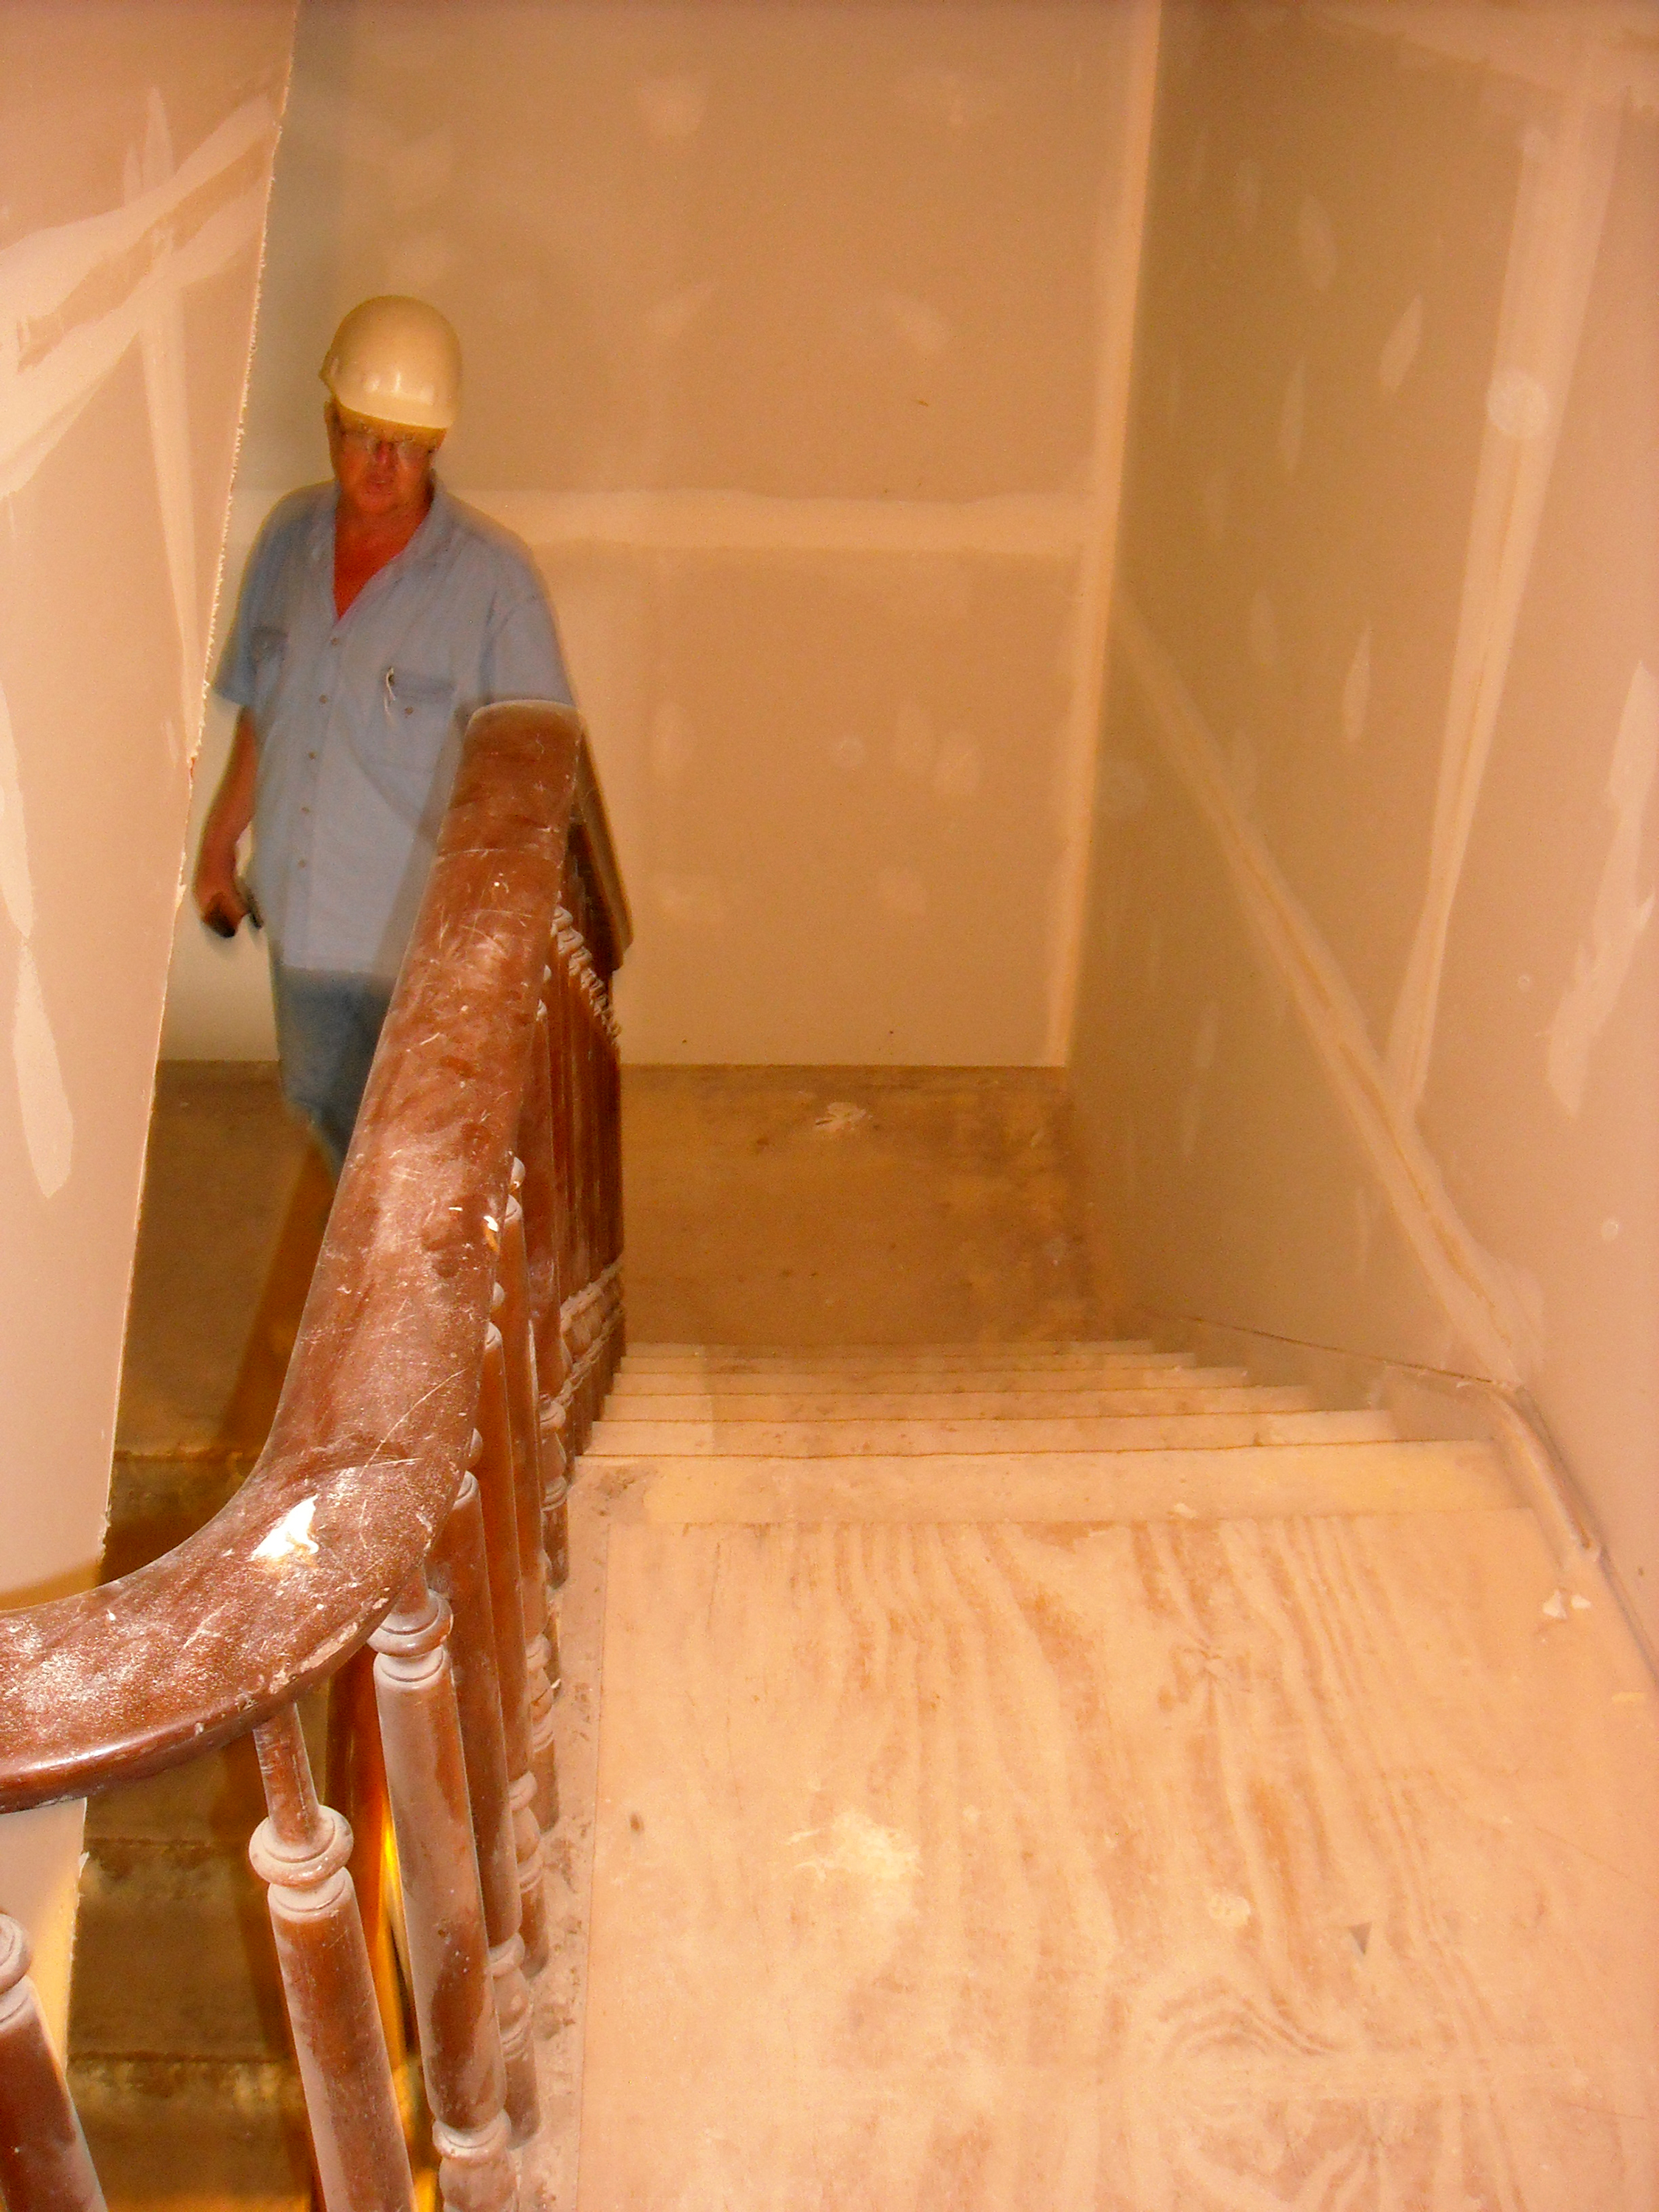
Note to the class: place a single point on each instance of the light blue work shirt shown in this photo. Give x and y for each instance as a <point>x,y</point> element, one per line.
<point>358,720</point>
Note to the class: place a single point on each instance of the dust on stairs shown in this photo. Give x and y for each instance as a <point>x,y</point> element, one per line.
<point>1054,1776</point>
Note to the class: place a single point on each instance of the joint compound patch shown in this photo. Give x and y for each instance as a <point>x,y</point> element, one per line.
<point>1517,404</point>
<point>843,1118</point>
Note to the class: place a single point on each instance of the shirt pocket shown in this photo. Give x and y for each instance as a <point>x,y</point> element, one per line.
<point>267,650</point>
<point>408,751</point>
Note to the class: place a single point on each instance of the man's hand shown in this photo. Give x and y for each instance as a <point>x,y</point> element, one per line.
<point>218,895</point>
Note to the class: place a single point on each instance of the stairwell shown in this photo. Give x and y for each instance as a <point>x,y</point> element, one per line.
<point>1023,1771</point>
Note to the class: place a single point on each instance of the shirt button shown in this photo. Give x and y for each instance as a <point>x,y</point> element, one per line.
<point>323,699</point>
<point>311,756</point>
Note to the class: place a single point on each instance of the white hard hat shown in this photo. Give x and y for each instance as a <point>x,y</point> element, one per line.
<point>396,361</point>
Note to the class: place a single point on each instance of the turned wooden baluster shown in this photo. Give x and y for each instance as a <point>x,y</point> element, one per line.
<point>539,1194</point>
<point>497,1485</point>
<point>541,1210</point>
<point>300,1851</point>
<point>562,1043</point>
<point>610,1189</point>
<point>355,1784</point>
<point>572,1277</point>
<point>43,2163</point>
<point>443,1908</point>
<point>581,1150</point>
<point>593,1380</point>
<point>460,1571</point>
<point>541,1628</point>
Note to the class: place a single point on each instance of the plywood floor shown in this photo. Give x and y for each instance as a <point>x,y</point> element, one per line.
<point>1161,1863</point>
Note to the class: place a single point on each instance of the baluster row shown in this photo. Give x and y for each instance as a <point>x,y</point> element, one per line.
<point>466,1672</point>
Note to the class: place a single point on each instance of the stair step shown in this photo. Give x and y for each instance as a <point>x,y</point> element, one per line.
<point>1032,1349</point>
<point>640,1439</point>
<point>929,1380</point>
<point>954,1359</point>
<point>626,1403</point>
<point>1261,1482</point>
<point>198,2135</point>
<point>174,1957</point>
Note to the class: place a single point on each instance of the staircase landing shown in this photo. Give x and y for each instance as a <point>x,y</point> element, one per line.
<point>1130,1813</point>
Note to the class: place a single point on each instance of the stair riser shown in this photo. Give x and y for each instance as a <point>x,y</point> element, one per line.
<point>861,1363</point>
<point>1083,1489</point>
<point>625,1404</point>
<point>859,1439</point>
<point>188,1969</point>
<point>1032,1349</point>
<point>841,1382</point>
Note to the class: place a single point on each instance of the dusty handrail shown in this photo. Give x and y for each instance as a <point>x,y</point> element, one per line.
<point>371,1435</point>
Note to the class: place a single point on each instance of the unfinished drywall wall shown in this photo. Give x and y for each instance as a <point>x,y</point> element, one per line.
<point>1366,1038</point>
<point>136,145</point>
<point>797,341</point>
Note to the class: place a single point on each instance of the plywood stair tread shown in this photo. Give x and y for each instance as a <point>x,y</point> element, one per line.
<point>1200,1822</point>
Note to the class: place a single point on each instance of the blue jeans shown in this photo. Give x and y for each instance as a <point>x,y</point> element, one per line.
<point>327,1027</point>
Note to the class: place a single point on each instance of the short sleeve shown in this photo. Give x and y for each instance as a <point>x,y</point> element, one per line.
<point>522,657</point>
<point>235,677</point>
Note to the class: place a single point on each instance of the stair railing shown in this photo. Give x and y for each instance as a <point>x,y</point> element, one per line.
<point>462,1326</point>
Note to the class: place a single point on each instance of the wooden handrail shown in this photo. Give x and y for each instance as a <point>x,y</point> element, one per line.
<point>371,1435</point>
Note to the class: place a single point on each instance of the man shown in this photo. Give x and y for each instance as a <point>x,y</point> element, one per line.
<point>376,613</point>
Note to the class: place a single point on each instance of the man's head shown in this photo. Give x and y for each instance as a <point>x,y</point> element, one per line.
<point>394,374</point>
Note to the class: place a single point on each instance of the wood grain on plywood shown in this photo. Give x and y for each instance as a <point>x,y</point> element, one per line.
<point>1178,1868</point>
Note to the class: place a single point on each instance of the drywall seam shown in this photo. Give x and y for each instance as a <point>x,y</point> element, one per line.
<point>1466,1280</point>
<point>42,1101</point>
<point>1017,527</point>
<point>52,361</point>
<point>1117,274</point>
<point>162,347</point>
<point>1566,179</point>
<point>278,119</point>
<point>1621,912</point>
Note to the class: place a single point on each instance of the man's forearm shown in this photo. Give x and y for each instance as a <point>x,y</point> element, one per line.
<point>232,803</point>
<point>214,885</point>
